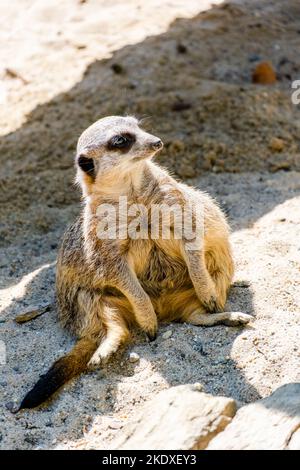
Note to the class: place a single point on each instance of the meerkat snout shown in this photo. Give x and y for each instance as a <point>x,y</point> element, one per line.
<point>157,144</point>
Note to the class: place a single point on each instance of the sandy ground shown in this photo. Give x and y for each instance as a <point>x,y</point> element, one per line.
<point>81,60</point>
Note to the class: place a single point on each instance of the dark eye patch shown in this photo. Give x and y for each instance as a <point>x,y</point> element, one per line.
<point>87,165</point>
<point>122,142</point>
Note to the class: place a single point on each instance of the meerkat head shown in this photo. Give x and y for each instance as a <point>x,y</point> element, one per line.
<point>113,144</point>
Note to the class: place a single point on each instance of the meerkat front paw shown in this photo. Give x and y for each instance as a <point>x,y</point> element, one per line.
<point>151,332</point>
<point>237,319</point>
<point>148,323</point>
<point>208,297</point>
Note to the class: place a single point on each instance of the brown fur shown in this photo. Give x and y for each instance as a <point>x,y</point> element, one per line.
<point>104,286</point>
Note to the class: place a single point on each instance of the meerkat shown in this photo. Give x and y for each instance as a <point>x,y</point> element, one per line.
<point>104,286</point>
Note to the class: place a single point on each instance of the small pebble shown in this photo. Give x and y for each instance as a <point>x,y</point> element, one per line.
<point>264,74</point>
<point>167,334</point>
<point>115,425</point>
<point>134,357</point>
<point>197,386</point>
<point>276,144</point>
<point>12,407</point>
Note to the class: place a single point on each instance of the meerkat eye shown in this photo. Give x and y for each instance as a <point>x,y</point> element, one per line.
<point>121,141</point>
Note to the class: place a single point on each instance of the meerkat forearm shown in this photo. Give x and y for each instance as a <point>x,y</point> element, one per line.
<point>203,283</point>
<point>116,334</point>
<point>128,283</point>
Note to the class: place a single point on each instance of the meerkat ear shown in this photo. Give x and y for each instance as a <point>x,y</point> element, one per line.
<point>87,165</point>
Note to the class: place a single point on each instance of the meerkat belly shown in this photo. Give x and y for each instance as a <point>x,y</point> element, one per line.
<point>159,269</point>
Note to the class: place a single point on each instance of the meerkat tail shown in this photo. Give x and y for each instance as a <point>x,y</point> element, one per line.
<point>64,369</point>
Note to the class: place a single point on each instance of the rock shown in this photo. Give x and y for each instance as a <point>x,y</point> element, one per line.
<point>12,407</point>
<point>134,357</point>
<point>33,313</point>
<point>167,334</point>
<point>114,424</point>
<point>276,144</point>
<point>181,417</point>
<point>197,386</point>
<point>271,423</point>
<point>264,74</point>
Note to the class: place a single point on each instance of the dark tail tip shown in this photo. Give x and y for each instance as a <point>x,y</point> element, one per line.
<point>62,370</point>
<point>47,385</point>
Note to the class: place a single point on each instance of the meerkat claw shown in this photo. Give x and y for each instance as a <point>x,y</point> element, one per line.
<point>151,336</point>
<point>95,360</point>
<point>211,305</point>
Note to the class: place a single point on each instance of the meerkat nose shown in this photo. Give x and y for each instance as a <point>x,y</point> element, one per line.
<point>157,144</point>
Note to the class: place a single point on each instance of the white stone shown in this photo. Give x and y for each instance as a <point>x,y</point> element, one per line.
<point>134,357</point>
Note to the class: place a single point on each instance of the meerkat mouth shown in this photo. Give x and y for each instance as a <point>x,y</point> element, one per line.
<point>139,158</point>
<point>142,157</point>
<point>146,155</point>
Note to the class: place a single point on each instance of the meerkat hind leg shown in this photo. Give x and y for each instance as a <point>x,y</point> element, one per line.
<point>117,333</point>
<point>109,345</point>
<point>210,319</point>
